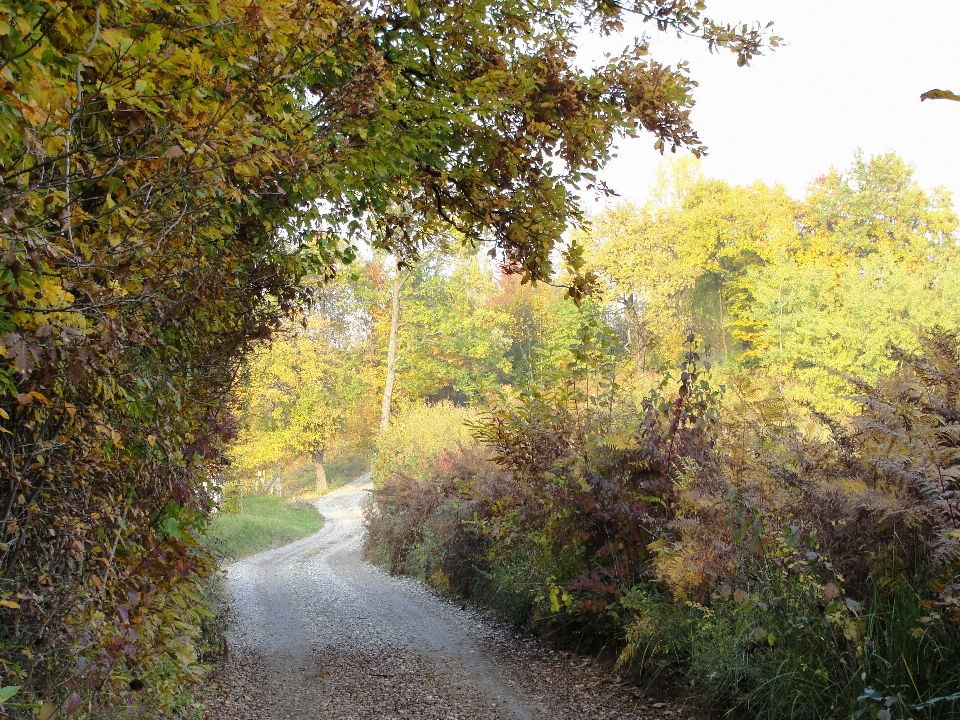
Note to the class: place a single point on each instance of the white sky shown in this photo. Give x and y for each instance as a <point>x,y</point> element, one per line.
<point>849,77</point>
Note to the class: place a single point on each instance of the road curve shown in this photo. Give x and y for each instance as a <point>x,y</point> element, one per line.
<point>319,633</point>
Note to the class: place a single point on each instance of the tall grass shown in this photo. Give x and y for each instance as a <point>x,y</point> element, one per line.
<point>787,654</point>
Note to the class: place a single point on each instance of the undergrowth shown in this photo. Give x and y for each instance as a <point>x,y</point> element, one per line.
<point>754,558</point>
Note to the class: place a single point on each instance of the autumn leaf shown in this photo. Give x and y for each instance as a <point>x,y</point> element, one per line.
<point>939,95</point>
<point>831,591</point>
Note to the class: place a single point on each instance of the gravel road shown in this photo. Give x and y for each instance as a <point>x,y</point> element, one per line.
<point>319,633</point>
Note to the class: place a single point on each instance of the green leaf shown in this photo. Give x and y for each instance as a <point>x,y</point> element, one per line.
<point>8,692</point>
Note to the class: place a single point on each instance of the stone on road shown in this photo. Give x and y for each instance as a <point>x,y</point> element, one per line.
<point>319,633</point>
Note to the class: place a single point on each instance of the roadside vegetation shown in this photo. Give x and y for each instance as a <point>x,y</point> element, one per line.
<point>718,432</point>
<point>263,523</point>
<point>738,464</point>
<point>182,182</point>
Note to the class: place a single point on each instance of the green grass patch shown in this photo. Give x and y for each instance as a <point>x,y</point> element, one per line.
<point>265,523</point>
<point>299,478</point>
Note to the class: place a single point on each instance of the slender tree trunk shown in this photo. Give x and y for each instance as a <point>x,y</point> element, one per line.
<point>391,355</point>
<point>320,470</point>
<point>780,304</point>
<point>723,330</point>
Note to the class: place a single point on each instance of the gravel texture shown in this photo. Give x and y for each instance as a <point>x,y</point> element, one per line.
<point>319,633</point>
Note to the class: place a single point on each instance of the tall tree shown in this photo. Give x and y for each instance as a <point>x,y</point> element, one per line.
<point>294,399</point>
<point>875,206</point>
<point>677,265</point>
<point>876,259</point>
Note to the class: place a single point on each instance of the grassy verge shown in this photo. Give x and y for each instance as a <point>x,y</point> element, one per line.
<point>299,478</point>
<point>266,522</point>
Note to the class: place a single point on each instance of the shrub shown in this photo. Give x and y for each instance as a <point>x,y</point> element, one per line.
<point>232,501</point>
<point>755,557</point>
<point>840,539</point>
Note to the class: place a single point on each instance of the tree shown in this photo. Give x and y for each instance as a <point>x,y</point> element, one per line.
<point>295,394</point>
<point>677,265</point>
<point>391,376</point>
<point>875,207</point>
<point>290,406</point>
<point>452,338</point>
<point>875,260</point>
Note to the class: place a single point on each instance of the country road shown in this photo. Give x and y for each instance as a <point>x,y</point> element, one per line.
<point>319,633</point>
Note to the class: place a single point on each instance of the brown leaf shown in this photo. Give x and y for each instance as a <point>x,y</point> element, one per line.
<point>174,152</point>
<point>20,351</point>
<point>323,673</point>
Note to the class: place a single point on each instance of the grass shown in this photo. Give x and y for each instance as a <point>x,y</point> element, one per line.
<point>299,478</point>
<point>266,522</point>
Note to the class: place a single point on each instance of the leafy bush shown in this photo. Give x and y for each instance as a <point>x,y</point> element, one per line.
<point>753,556</point>
<point>841,540</point>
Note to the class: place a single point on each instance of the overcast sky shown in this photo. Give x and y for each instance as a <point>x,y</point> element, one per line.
<point>850,77</point>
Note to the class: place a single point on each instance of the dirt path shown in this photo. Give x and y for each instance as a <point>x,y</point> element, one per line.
<point>321,634</point>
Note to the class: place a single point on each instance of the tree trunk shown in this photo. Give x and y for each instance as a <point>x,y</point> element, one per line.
<point>723,330</point>
<point>320,470</point>
<point>391,356</point>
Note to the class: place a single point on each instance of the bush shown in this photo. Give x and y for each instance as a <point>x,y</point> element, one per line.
<point>754,557</point>
<point>841,542</point>
<point>232,501</point>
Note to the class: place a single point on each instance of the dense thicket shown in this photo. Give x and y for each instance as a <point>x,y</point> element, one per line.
<point>170,174</point>
<point>739,465</point>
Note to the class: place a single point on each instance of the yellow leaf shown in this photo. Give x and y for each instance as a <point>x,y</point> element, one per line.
<point>151,440</point>
<point>10,604</point>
